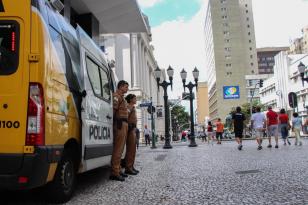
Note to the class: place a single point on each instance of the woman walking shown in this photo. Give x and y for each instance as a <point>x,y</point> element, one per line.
<point>284,126</point>
<point>297,127</point>
<point>210,133</point>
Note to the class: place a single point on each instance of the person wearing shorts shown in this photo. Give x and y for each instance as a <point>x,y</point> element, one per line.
<point>272,126</point>
<point>238,119</point>
<point>258,124</point>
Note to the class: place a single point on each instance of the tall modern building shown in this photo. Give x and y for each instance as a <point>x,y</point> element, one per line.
<point>230,53</point>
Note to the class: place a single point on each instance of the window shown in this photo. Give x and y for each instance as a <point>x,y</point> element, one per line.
<point>248,26</point>
<point>223,1</point>
<point>250,48</point>
<point>106,85</point>
<point>224,17</point>
<point>249,41</point>
<point>94,76</point>
<point>247,19</point>
<point>251,56</point>
<point>227,49</point>
<point>9,47</point>
<point>227,40</point>
<point>223,9</point>
<point>246,11</point>
<point>248,33</point>
<point>226,33</point>
<point>99,80</point>
<point>225,24</point>
<point>251,64</point>
<point>246,5</point>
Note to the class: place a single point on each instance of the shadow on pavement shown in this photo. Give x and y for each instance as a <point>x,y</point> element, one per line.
<point>85,181</point>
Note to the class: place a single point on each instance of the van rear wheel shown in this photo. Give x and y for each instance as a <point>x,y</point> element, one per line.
<point>61,189</point>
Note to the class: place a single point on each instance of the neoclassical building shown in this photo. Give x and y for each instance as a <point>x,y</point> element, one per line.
<point>135,63</point>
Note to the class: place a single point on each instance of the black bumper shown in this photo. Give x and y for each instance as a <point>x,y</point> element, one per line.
<point>33,166</point>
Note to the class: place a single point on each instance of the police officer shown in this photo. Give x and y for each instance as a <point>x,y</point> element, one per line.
<point>131,136</point>
<point>120,128</point>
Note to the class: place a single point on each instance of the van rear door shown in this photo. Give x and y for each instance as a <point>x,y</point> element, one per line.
<point>14,81</point>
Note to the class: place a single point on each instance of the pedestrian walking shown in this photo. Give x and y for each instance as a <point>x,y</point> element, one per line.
<point>120,128</point>
<point>131,136</point>
<point>296,128</point>
<point>305,127</point>
<point>258,125</point>
<point>210,133</point>
<point>238,119</point>
<point>284,126</point>
<point>272,126</point>
<point>146,133</point>
<point>219,130</point>
<point>137,137</point>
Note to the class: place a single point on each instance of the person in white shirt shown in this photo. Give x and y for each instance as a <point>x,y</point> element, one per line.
<point>147,134</point>
<point>258,124</point>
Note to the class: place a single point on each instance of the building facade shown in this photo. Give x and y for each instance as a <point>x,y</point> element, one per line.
<point>286,79</point>
<point>135,63</point>
<point>202,103</point>
<point>266,58</point>
<point>230,53</point>
<point>300,45</point>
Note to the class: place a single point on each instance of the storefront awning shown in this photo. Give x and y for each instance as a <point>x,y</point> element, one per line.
<point>114,16</point>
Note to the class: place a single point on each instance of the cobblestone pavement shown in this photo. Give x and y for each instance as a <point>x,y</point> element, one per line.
<point>218,174</point>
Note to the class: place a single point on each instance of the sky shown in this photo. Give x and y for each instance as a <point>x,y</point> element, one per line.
<point>177,31</point>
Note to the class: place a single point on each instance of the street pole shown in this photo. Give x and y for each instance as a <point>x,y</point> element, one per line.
<point>152,126</point>
<point>167,125</point>
<point>192,124</point>
<point>165,85</point>
<point>190,86</point>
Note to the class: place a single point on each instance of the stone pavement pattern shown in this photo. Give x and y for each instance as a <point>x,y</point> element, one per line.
<point>206,174</point>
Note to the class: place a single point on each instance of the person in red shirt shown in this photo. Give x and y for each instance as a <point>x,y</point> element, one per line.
<point>284,126</point>
<point>219,130</point>
<point>272,126</point>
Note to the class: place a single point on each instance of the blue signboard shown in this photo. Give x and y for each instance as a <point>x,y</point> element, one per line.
<point>231,92</point>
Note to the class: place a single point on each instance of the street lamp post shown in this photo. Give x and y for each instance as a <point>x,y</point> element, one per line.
<point>165,85</point>
<point>301,69</point>
<point>190,87</point>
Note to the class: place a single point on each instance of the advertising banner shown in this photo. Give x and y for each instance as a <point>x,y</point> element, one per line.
<point>231,92</point>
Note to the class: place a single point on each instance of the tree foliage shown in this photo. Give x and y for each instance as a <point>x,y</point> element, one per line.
<point>178,112</point>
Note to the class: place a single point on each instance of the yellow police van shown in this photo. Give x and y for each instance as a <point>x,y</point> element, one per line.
<point>55,100</point>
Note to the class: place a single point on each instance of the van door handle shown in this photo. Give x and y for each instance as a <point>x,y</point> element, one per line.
<point>108,117</point>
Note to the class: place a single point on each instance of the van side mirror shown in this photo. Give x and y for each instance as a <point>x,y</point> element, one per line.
<point>84,93</point>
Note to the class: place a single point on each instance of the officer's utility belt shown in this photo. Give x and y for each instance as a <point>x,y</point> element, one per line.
<point>131,126</point>
<point>119,122</point>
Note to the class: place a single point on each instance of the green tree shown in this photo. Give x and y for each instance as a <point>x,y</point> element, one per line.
<point>178,112</point>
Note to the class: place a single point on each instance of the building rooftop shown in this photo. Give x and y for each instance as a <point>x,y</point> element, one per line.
<point>269,49</point>
<point>114,16</point>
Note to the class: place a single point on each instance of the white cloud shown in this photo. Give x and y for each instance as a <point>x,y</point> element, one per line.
<point>180,44</point>
<point>279,21</point>
<point>148,3</point>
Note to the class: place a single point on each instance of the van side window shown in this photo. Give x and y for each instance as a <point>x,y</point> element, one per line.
<point>105,84</point>
<point>74,56</point>
<point>94,76</point>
